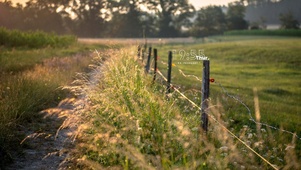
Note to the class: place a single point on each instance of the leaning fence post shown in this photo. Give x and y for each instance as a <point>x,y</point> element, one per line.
<point>155,64</point>
<point>205,94</point>
<point>169,72</point>
<point>148,60</point>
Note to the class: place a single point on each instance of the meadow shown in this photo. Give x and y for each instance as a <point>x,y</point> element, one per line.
<point>272,65</point>
<point>134,126</point>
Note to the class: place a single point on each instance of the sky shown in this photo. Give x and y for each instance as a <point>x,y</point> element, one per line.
<point>202,3</point>
<point>196,3</point>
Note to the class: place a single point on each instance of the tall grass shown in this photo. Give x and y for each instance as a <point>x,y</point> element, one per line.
<point>131,125</point>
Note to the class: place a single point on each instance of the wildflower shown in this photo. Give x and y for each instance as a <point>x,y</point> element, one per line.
<point>250,135</point>
<point>263,130</point>
<point>224,148</point>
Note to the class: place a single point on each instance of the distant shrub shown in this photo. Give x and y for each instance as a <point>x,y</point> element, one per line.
<point>280,32</point>
<point>33,39</point>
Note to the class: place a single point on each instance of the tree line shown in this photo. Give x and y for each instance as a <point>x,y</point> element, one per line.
<point>284,12</point>
<point>123,18</point>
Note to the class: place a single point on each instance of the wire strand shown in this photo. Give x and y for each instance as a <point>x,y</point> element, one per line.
<point>224,127</point>
<point>251,117</point>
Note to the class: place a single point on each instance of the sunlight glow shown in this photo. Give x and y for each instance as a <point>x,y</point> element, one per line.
<point>196,3</point>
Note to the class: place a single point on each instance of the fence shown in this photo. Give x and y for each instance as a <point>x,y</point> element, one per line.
<point>204,92</point>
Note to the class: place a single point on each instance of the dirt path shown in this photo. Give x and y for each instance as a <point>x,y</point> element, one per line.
<point>50,140</point>
<point>48,148</point>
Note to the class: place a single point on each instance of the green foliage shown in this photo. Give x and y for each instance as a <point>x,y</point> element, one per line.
<point>235,16</point>
<point>210,21</point>
<point>37,39</point>
<point>287,32</point>
<point>172,17</point>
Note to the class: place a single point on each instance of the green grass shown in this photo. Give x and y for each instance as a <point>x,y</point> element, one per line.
<point>132,125</point>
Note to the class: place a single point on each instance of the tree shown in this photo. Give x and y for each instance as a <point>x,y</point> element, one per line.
<point>288,21</point>
<point>210,20</point>
<point>15,19</point>
<point>172,15</point>
<point>258,24</point>
<point>40,15</point>
<point>235,16</point>
<point>90,17</point>
<point>127,20</point>
<point>259,2</point>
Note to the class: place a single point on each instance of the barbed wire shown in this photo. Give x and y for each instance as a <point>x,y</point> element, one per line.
<point>251,118</point>
<point>250,114</point>
<point>182,72</point>
<point>242,103</point>
<point>219,123</point>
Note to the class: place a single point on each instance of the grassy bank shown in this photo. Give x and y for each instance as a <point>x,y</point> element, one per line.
<point>31,80</point>
<point>132,126</point>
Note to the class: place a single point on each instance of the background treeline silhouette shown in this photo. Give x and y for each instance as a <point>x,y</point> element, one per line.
<point>267,12</point>
<point>135,18</point>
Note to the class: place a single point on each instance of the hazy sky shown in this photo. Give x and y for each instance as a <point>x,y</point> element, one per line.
<point>202,3</point>
<point>197,3</point>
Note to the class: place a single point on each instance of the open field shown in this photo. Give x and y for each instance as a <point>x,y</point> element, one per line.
<point>272,65</point>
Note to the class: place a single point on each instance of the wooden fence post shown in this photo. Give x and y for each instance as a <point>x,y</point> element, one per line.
<point>139,51</point>
<point>144,50</point>
<point>148,60</point>
<point>142,55</point>
<point>205,94</point>
<point>155,64</point>
<point>168,90</point>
